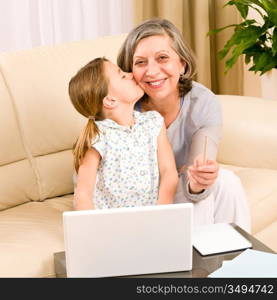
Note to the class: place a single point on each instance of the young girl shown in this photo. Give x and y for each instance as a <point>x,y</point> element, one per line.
<point>122,157</point>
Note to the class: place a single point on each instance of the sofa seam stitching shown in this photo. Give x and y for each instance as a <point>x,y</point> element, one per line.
<point>29,155</point>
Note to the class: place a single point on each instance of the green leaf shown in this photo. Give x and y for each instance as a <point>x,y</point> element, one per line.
<point>263,38</point>
<point>237,51</point>
<point>249,22</point>
<point>253,49</point>
<point>232,2</point>
<point>247,58</point>
<point>220,29</point>
<point>253,68</point>
<point>272,64</point>
<point>272,15</point>
<point>242,8</point>
<point>274,41</point>
<point>257,42</point>
<point>242,39</point>
<point>267,24</point>
<point>270,6</point>
<point>262,60</point>
<point>252,52</point>
<point>249,34</point>
<point>230,43</point>
<point>259,3</point>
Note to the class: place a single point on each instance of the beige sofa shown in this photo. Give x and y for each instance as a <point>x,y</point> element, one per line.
<point>38,126</point>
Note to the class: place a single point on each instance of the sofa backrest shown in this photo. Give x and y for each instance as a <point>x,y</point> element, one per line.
<point>17,178</point>
<point>38,124</point>
<point>249,137</point>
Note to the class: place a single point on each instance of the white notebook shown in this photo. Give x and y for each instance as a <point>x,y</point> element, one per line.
<point>218,238</point>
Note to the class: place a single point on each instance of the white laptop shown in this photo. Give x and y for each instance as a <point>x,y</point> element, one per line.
<point>128,241</point>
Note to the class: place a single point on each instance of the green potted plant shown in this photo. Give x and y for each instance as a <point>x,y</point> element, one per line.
<point>252,38</point>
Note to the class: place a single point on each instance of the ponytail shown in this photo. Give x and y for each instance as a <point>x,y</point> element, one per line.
<point>87,89</point>
<point>83,143</point>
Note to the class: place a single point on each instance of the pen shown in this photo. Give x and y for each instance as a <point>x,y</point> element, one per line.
<point>205,150</point>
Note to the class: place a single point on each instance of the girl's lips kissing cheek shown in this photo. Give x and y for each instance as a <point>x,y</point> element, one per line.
<point>156,84</point>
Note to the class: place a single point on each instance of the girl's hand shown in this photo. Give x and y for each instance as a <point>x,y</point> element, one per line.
<point>202,176</point>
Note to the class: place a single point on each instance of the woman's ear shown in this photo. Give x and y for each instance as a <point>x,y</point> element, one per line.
<point>109,102</point>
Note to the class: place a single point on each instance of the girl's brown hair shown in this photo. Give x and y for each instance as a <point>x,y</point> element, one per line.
<point>87,89</point>
<point>154,27</point>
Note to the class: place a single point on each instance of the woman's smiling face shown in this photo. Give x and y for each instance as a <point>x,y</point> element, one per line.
<point>157,67</point>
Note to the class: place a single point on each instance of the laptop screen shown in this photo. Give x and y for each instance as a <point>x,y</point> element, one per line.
<point>128,241</point>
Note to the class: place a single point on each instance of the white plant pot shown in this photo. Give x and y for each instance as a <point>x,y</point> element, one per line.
<point>269,85</point>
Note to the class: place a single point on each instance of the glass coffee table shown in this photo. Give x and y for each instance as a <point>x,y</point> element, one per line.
<point>202,265</point>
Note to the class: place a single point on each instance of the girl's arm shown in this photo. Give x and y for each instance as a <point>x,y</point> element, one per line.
<point>86,180</point>
<point>167,168</point>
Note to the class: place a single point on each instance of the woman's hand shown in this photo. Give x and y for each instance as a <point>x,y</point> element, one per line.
<point>202,175</point>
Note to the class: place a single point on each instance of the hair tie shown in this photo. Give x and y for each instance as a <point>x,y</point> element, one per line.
<point>91,118</point>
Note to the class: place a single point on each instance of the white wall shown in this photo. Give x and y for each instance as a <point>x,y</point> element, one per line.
<point>29,23</point>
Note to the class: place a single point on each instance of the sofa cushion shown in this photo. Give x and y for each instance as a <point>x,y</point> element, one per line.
<point>55,171</point>
<point>18,182</point>
<point>12,148</point>
<point>261,191</point>
<point>29,235</point>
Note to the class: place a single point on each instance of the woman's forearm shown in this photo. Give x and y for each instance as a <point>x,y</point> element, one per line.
<point>213,134</point>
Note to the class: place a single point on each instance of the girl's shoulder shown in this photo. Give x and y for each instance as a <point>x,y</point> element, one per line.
<point>148,116</point>
<point>151,121</point>
<point>102,131</point>
<point>151,114</point>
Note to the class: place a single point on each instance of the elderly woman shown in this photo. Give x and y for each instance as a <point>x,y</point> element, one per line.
<point>163,65</point>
